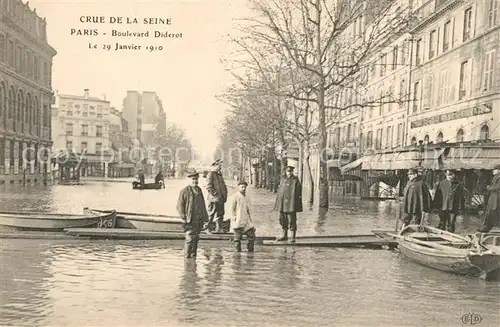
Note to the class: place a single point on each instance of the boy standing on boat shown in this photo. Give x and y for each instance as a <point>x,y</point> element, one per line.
<point>191,208</point>
<point>288,203</point>
<point>217,196</point>
<point>416,200</point>
<point>241,220</point>
<point>449,198</point>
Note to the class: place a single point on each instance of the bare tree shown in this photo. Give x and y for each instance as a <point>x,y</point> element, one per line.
<point>316,38</point>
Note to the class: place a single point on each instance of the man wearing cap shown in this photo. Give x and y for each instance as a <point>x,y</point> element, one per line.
<point>492,213</point>
<point>417,199</point>
<point>217,195</point>
<point>191,208</point>
<point>288,203</point>
<point>449,198</point>
<point>241,219</point>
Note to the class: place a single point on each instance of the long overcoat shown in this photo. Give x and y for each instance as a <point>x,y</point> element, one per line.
<point>216,187</point>
<point>289,198</point>
<point>417,198</point>
<point>494,194</point>
<point>449,196</point>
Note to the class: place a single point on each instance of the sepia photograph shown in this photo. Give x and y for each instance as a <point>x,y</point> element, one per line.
<point>250,163</point>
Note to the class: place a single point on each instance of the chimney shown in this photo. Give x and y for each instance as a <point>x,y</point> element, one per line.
<point>86,94</point>
<point>104,96</point>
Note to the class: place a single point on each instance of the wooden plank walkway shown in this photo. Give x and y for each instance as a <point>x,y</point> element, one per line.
<point>340,241</point>
<point>31,235</point>
<point>136,234</point>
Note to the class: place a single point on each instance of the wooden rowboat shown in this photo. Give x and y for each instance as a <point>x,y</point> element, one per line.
<point>147,186</point>
<point>448,252</point>
<point>37,221</point>
<point>142,221</point>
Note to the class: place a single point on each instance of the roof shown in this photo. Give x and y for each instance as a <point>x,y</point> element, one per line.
<point>81,97</point>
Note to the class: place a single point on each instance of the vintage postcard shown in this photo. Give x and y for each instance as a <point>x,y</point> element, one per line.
<point>249,163</point>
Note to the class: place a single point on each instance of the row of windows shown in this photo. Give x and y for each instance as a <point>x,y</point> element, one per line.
<point>14,148</point>
<point>484,134</point>
<point>84,130</point>
<point>22,107</point>
<point>444,92</point>
<point>24,60</point>
<point>391,137</point>
<point>83,147</point>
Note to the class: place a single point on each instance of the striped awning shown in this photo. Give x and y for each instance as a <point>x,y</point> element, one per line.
<point>352,165</point>
<point>472,158</point>
<point>430,158</point>
<point>370,162</point>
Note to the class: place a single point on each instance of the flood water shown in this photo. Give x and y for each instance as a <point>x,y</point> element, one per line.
<point>98,283</point>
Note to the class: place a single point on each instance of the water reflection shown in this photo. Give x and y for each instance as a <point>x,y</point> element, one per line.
<point>190,287</point>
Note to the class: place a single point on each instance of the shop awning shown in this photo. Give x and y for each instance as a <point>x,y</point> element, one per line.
<point>472,158</point>
<point>407,160</point>
<point>384,161</point>
<point>352,165</point>
<point>370,162</point>
<point>430,158</point>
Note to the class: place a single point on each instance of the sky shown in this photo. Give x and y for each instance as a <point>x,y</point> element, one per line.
<point>186,74</point>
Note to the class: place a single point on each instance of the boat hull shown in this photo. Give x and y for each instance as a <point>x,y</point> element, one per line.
<point>458,255</point>
<point>147,186</point>
<point>147,222</point>
<point>54,222</point>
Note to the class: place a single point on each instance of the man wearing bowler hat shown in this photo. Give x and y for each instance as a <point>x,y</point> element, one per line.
<point>191,208</point>
<point>288,203</point>
<point>217,196</point>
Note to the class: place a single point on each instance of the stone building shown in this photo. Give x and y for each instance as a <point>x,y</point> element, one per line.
<point>81,126</point>
<point>25,94</point>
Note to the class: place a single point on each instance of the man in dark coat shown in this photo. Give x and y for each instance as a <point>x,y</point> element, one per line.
<point>449,198</point>
<point>159,179</point>
<point>142,178</point>
<point>417,199</point>
<point>492,213</point>
<point>288,203</point>
<point>216,197</point>
<point>191,208</point>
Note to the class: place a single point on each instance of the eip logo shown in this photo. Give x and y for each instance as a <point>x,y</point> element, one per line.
<point>471,319</point>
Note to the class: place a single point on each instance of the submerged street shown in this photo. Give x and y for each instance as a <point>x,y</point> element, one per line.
<point>123,283</point>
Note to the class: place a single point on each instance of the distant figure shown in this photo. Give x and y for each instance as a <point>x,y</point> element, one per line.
<point>416,199</point>
<point>241,219</point>
<point>492,213</point>
<point>288,203</point>
<point>217,196</point>
<point>160,179</point>
<point>191,208</point>
<point>449,198</point>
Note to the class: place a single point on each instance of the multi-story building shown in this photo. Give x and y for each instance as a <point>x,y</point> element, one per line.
<point>121,143</point>
<point>454,78</point>
<point>143,112</point>
<point>81,125</point>
<point>25,94</point>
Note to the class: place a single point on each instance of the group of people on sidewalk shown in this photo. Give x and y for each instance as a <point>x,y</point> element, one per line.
<point>448,201</point>
<point>196,215</point>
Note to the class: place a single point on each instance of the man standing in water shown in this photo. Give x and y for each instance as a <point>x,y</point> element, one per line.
<point>288,203</point>
<point>417,199</point>
<point>191,208</point>
<point>492,214</point>
<point>217,196</point>
<point>241,220</point>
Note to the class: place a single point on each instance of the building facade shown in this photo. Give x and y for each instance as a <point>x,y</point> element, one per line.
<point>143,112</point>
<point>455,76</point>
<point>81,126</point>
<point>25,94</point>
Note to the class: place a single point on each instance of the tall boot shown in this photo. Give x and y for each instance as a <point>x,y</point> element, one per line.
<point>194,249</point>
<point>250,246</point>
<point>284,236</point>
<point>294,233</point>
<point>187,250</point>
<point>218,226</point>
<point>238,246</point>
